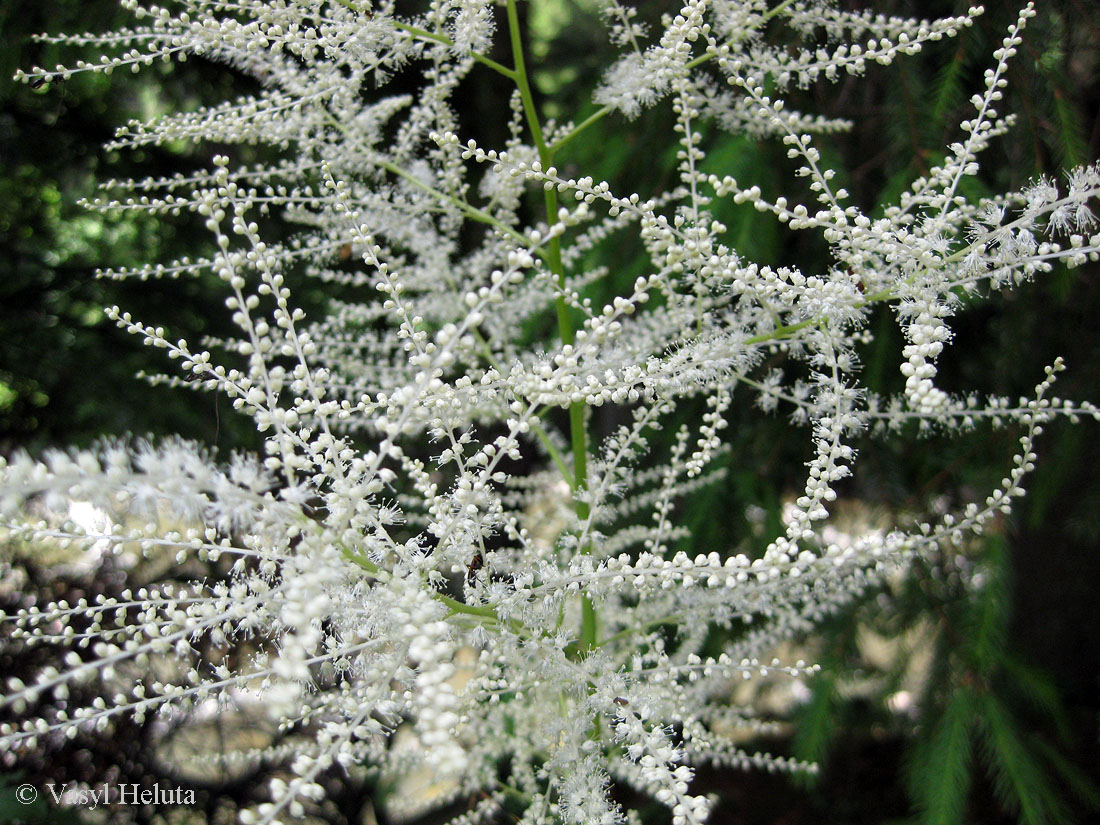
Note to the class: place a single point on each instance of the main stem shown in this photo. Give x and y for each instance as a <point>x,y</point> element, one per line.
<point>577,433</point>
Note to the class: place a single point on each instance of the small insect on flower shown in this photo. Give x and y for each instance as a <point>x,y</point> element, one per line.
<point>476,563</point>
<point>45,80</point>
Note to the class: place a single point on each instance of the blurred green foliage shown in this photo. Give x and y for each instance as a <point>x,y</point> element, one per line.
<point>66,372</point>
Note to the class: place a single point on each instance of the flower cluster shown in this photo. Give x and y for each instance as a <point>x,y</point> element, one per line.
<point>414,508</point>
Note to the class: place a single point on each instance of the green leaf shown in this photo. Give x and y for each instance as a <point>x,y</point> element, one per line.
<point>1038,689</point>
<point>1080,783</point>
<point>1019,780</point>
<point>939,769</point>
<point>1071,145</point>
<point>817,723</point>
<point>987,614</point>
<point>948,91</point>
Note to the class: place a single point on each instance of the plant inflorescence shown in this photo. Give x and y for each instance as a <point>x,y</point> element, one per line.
<point>434,537</point>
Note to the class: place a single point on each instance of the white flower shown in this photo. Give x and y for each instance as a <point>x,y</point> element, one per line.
<point>385,531</point>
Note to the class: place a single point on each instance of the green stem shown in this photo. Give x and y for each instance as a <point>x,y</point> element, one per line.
<point>578,436</point>
<point>595,117</point>
<point>424,34</point>
<point>764,18</point>
<point>555,454</point>
<point>467,209</point>
<point>630,631</point>
<point>589,619</point>
<point>480,612</point>
<point>468,609</point>
<point>360,561</point>
<point>520,72</point>
<point>781,332</point>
